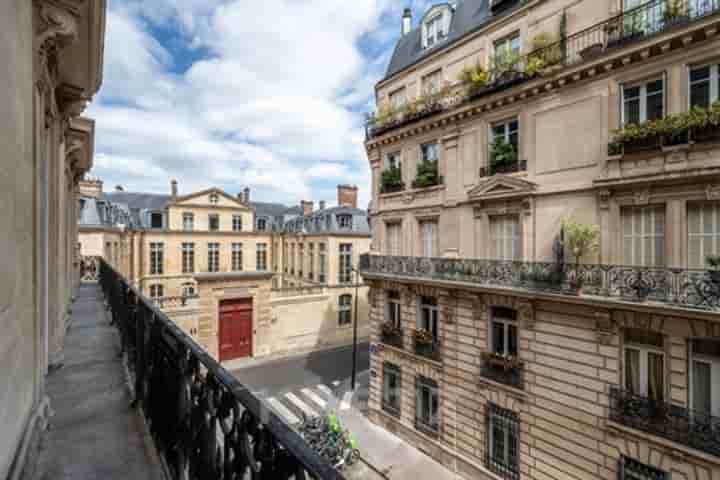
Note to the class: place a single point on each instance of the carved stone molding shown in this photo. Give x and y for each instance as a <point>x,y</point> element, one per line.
<point>642,196</point>
<point>641,320</point>
<point>712,192</point>
<point>57,27</point>
<point>604,199</point>
<point>525,308</point>
<point>606,328</point>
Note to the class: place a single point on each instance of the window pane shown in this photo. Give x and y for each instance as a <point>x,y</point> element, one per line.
<point>701,387</point>
<point>632,111</point>
<point>700,94</point>
<point>655,106</point>
<point>656,384</point>
<point>512,341</point>
<point>632,371</point>
<point>498,337</point>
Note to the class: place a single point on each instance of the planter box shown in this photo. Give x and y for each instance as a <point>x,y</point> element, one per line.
<point>642,145</point>
<point>711,133</point>
<point>392,188</point>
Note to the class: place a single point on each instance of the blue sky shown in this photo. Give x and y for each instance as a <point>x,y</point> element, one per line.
<point>236,93</point>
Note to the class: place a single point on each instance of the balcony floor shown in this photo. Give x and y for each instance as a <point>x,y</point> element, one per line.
<point>93,434</point>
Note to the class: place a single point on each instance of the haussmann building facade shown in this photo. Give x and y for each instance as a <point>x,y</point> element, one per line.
<point>493,351</point>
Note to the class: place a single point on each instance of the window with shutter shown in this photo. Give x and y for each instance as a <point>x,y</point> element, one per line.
<point>703,232</point>
<point>644,235</point>
<point>505,236</point>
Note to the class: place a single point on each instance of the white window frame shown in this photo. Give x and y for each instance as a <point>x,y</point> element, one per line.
<point>713,238</point>
<point>261,257</point>
<point>393,159</point>
<point>642,97</point>
<point>432,82</point>
<point>434,29</point>
<point>262,224</point>
<point>714,364</point>
<point>237,257</point>
<point>157,258</point>
<point>213,251</point>
<point>345,221</point>
<point>506,324</point>
<point>499,226</point>
<point>507,131</point>
<point>393,312</point>
<point>424,148</point>
<point>714,80</point>
<point>505,44</point>
<point>642,236</point>
<point>345,310</point>
<point>214,198</point>
<point>430,312</point>
<point>188,257</point>
<point>188,289</point>
<point>237,223</point>
<point>433,391</point>
<point>393,236</point>
<point>345,263</point>
<point>643,352</point>
<point>429,238</point>
<point>188,221</point>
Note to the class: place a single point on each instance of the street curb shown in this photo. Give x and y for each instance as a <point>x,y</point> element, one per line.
<point>374,468</point>
<point>281,359</point>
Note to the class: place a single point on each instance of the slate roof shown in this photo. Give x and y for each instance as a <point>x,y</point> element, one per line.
<point>268,209</point>
<point>140,201</point>
<point>325,221</point>
<point>469,15</point>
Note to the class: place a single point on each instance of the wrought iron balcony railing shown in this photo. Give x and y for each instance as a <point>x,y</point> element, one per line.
<point>204,422</point>
<point>394,339</point>
<point>511,375</point>
<point>428,350</point>
<point>612,34</point>
<point>698,430</point>
<point>680,287</point>
<point>503,168</point>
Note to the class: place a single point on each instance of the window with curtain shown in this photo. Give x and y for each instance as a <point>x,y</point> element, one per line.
<point>505,237</point>
<point>428,315</point>
<point>392,240</point>
<point>392,388</point>
<point>643,102</point>
<point>703,221</point>
<point>645,363</point>
<point>344,309</point>
<point>429,238</point>
<point>426,403</point>
<point>502,441</point>
<point>643,235</point>
<point>261,257</point>
<point>705,376</point>
<point>504,336</point>
<point>392,311</point>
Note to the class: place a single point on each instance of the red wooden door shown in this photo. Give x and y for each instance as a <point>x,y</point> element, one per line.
<point>235,328</point>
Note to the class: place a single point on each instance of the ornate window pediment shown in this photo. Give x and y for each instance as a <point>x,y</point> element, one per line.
<point>502,187</point>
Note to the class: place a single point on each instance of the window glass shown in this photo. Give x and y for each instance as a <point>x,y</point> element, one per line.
<point>213,222</point>
<point>156,220</point>
<point>429,152</point>
<point>633,470</point>
<point>702,398</point>
<point>505,237</point>
<point>502,441</point>
<point>393,232</point>
<point>392,390</point>
<point>703,232</point>
<point>643,102</point>
<point>643,235</point>
<point>700,86</point>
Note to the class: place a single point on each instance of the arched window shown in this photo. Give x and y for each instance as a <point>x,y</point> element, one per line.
<point>345,309</point>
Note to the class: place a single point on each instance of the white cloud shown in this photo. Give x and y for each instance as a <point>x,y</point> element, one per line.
<point>274,103</point>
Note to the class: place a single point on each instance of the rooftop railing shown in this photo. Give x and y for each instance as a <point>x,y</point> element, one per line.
<point>204,422</point>
<point>626,28</point>
<point>689,288</point>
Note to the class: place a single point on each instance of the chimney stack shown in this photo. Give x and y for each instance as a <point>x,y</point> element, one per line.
<point>246,195</point>
<point>406,22</point>
<point>119,188</point>
<point>322,205</point>
<point>173,188</point>
<point>307,207</point>
<point>347,195</point>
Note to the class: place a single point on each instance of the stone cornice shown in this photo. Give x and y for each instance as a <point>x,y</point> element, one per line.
<point>644,51</point>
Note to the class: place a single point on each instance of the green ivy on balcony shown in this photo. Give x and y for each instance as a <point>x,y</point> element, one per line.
<point>391,180</point>
<point>427,174</point>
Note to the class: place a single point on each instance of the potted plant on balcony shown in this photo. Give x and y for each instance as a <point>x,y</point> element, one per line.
<point>579,240</point>
<point>675,11</point>
<point>704,123</point>
<point>500,360</point>
<point>503,156</point>
<point>474,78</point>
<point>389,329</point>
<point>713,263</point>
<point>424,342</point>
<point>391,180</point>
<point>427,174</point>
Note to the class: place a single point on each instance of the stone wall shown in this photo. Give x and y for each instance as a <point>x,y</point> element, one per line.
<point>571,361</point>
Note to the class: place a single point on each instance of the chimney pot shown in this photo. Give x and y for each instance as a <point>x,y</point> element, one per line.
<point>174,188</point>
<point>322,205</point>
<point>246,195</point>
<point>347,195</point>
<point>406,22</point>
<point>119,188</point>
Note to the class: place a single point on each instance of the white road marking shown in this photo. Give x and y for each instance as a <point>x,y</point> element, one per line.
<point>346,401</point>
<point>314,397</point>
<point>283,411</point>
<point>325,389</point>
<point>336,383</point>
<point>300,404</point>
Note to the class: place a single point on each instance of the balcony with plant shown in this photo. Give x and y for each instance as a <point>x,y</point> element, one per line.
<point>503,159</point>
<point>426,345</point>
<point>505,369</point>
<point>427,175</point>
<point>391,180</point>
<point>392,335</point>
<point>578,241</point>
<point>698,125</point>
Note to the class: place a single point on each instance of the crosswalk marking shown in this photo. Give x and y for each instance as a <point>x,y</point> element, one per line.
<point>325,389</point>
<point>314,397</point>
<point>300,404</point>
<point>283,411</point>
<point>346,401</point>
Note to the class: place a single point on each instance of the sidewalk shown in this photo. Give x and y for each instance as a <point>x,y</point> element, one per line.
<point>93,434</point>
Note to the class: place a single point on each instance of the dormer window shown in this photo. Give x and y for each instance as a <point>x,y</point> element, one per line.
<point>156,220</point>
<point>344,222</point>
<point>261,224</point>
<point>214,198</point>
<point>436,25</point>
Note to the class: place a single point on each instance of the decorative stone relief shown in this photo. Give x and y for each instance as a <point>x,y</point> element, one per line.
<point>58,27</point>
<point>642,196</point>
<point>604,199</point>
<point>641,320</point>
<point>524,307</point>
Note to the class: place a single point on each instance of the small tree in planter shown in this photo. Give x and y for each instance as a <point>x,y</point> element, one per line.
<point>424,342</point>
<point>502,154</point>
<point>427,174</point>
<point>391,179</point>
<point>579,240</point>
<point>713,263</point>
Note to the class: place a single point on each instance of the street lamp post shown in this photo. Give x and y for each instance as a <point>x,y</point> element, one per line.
<point>355,326</point>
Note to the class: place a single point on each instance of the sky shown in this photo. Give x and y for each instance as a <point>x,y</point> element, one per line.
<point>267,94</point>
